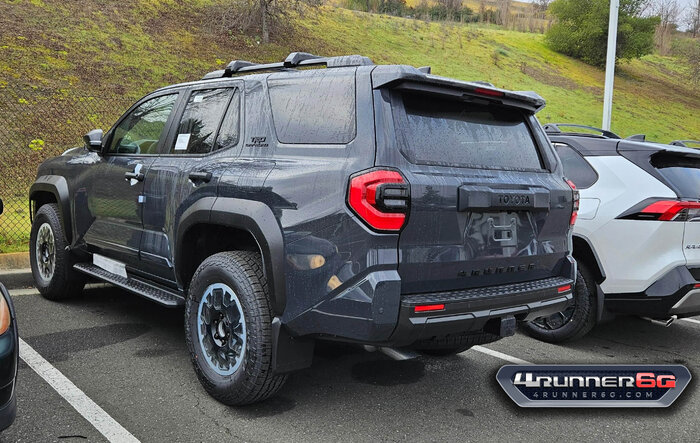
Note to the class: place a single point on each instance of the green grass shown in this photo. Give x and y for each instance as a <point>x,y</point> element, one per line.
<point>651,95</point>
<point>118,50</point>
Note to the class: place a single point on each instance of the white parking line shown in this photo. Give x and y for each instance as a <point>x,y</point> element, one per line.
<point>103,422</point>
<point>692,320</point>
<point>500,355</point>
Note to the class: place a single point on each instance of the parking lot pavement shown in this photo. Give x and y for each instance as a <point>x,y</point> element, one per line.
<point>129,356</point>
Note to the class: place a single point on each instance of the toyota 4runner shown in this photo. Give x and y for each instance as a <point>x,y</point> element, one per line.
<point>379,205</point>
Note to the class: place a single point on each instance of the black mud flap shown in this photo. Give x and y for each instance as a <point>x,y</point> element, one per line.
<point>288,353</point>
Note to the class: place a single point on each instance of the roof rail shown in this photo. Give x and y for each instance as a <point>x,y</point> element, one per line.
<point>554,128</point>
<point>293,60</point>
<point>684,143</point>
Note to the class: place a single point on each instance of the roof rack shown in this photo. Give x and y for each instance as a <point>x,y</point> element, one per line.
<point>554,128</point>
<point>684,143</point>
<point>293,60</point>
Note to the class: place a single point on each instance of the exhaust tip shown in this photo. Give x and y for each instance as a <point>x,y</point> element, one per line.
<point>662,322</point>
<point>393,353</point>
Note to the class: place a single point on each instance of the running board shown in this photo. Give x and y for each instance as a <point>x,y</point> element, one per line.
<point>150,291</point>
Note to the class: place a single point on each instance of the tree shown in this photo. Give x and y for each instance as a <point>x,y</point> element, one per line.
<point>669,13</point>
<point>581,30</point>
<point>692,20</point>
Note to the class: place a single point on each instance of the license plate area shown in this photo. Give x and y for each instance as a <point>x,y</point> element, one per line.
<point>500,234</point>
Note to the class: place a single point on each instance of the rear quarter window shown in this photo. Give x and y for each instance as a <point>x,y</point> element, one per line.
<point>576,168</point>
<point>437,131</point>
<point>316,107</point>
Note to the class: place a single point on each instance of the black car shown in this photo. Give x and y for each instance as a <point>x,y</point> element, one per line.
<point>9,354</point>
<point>370,204</point>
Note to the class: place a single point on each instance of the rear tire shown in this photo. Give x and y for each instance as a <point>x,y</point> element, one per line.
<point>228,297</point>
<point>453,344</point>
<point>52,264</point>
<point>560,327</point>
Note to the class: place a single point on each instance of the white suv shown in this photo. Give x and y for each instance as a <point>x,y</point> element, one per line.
<point>637,237</point>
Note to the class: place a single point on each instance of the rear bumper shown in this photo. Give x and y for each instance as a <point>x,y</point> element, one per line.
<point>479,309</point>
<point>675,293</point>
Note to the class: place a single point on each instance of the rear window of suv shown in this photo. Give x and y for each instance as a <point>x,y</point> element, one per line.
<point>682,173</point>
<point>316,107</point>
<point>444,132</point>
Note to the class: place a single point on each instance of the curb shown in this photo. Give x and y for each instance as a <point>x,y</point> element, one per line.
<point>14,260</point>
<point>17,278</point>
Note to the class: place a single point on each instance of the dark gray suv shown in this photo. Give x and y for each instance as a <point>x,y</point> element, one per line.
<point>371,204</point>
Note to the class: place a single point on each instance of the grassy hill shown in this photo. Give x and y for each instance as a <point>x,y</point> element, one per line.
<point>132,46</point>
<point>53,53</point>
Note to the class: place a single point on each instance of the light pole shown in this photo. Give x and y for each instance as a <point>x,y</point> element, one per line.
<point>610,64</point>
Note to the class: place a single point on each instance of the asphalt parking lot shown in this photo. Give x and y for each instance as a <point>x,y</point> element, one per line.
<point>129,357</point>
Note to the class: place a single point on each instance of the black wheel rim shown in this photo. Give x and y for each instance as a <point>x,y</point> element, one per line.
<point>45,251</point>
<point>556,320</point>
<point>221,329</point>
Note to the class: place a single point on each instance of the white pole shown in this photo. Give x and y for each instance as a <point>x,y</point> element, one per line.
<point>610,64</point>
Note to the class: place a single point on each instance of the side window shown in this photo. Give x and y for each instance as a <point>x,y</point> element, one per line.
<point>141,130</point>
<point>576,168</point>
<point>231,125</point>
<point>200,121</point>
<point>317,107</point>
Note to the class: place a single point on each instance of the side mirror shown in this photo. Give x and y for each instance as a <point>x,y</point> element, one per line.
<point>93,140</point>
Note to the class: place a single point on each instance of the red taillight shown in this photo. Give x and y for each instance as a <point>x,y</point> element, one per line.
<point>564,288</point>
<point>429,308</point>
<point>489,92</point>
<point>574,212</point>
<point>696,286</point>
<point>669,210</point>
<point>380,199</point>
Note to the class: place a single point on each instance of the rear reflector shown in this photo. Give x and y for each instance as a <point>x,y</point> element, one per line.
<point>697,285</point>
<point>380,198</point>
<point>428,308</point>
<point>564,288</point>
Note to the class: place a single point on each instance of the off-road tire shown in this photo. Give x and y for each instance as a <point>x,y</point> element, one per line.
<point>253,380</point>
<point>584,317</point>
<point>453,344</point>
<point>65,281</point>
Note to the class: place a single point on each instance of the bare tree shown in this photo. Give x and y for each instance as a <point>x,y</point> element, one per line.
<point>669,11</point>
<point>692,20</point>
<point>503,11</point>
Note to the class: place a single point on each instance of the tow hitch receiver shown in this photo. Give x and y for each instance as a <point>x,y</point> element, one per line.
<point>502,326</point>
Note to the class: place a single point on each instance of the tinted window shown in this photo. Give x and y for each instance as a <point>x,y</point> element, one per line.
<point>683,173</point>
<point>230,127</point>
<point>576,168</point>
<point>140,131</point>
<point>200,121</point>
<point>316,107</point>
<point>454,133</point>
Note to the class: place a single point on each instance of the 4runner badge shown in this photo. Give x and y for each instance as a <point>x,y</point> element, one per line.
<point>257,142</point>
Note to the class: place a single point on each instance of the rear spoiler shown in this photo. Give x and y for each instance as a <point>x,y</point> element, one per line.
<point>410,78</point>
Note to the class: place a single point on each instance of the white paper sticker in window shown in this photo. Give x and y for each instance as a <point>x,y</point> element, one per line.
<point>198,98</point>
<point>182,141</point>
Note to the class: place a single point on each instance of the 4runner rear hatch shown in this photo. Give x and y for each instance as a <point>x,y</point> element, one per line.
<point>488,203</point>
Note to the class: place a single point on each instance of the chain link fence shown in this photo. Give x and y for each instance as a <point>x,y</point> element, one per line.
<point>36,125</point>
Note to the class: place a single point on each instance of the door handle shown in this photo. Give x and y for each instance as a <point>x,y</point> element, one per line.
<point>201,176</point>
<point>138,176</point>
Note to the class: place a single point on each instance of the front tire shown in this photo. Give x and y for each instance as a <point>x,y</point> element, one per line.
<point>52,264</point>
<point>573,323</point>
<point>228,327</point>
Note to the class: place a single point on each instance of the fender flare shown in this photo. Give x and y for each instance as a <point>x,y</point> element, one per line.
<point>58,186</point>
<point>248,215</point>
<point>585,239</point>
